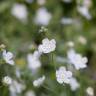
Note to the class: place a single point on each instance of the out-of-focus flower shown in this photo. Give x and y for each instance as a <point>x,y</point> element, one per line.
<point>77,60</point>
<point>30,93</point>
<point>41,2</point>
<point>67,21</point>
<point>7,80</point>
<point>70,44</point>
<point>90,91</point>
<point>33,60</point>
<point>83,10</point>
<point>63,76</point>
<point>42,16</point>
<point>2,46</point>
<point>82,40</point>
<point>8,57</point>
<point>87,3</point>
<point>74,84</point>
<point>19,11</point>
<point>47,46</point>
<point>39,81</point>
<point>16,87</point>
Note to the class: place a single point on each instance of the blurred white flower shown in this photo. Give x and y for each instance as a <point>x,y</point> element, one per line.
<point>30,93</point>
<point>90,91</point>
<point>67,21</point>
<point>39,81</point>
<point>7,80</point>
<point>42,16</point>
<point>74,84</point>
<point>16,87</point>
<point>87,3</point>
<point>19,11</point>
<point>82,40</point>
<point>63,76</point>
<point>70,43</point>
<point>41,2</point>
<point>83,10</point>
<point>77,60</point>
<point>33,60</point>
<point>47,46</point>
<point>8,57</point>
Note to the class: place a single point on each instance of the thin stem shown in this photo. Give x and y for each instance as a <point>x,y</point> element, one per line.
<point>53,61</point>
<point>49,89</point>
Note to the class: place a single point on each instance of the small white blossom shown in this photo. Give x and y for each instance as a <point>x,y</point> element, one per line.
<point>33,60</point>
<point>83,10</point>
<point>8,57</point>
<point>63,76</point>
<point>16,87</point>
<point>7,80</point>
<point>47,46</point>
<point>90,91</point>
<point>42,16</point>
<point>39,81</point>
<point>77,60</point>
<point>74,84</point>
<point>19,11</point>
<point>30,93</point>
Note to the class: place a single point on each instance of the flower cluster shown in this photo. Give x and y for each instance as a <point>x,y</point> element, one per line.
<point>66,76</point>
<point>47,46</point>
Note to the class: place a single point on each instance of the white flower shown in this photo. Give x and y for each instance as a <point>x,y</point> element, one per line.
<point>83,10</point>
<point>47,46</point>
<point>90,91</point>
<point>30,93</point>
<point>33,60</point>
<point>19,11</point>
<point>39,81</point>
<point>7,80</point>
<point>42,16</point>
<point>74,84</point>
<point>8,57</point>
<point>63,76</point>
<point>16,87</point>
<point>77,60</point>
